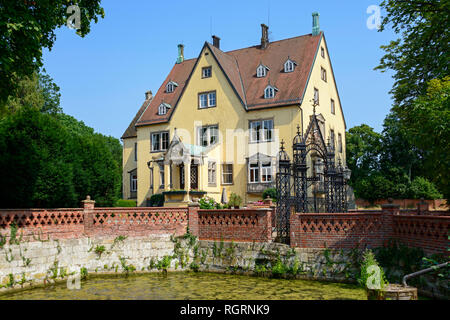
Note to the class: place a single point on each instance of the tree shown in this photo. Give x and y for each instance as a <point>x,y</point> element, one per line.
<point>27,26</point>
<point>422,53</point>
<point>426,123</point>
<point>37,91</point>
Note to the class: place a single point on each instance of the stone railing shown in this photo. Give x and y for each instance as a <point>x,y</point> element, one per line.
<point>234,225</point>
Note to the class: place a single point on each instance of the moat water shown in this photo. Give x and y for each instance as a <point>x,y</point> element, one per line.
<point>193,286</point>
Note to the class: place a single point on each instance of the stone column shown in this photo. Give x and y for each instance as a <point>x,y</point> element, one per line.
<point>193,208</point>
<point>88,215</point>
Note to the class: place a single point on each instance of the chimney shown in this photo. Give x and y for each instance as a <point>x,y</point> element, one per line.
<point>216,42</point>
<point>148,95</point>
<point>265,36</point>
<point>180,58</point>
<point>316,24</point>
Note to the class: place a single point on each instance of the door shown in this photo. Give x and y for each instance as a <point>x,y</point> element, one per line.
<point>194,176</point>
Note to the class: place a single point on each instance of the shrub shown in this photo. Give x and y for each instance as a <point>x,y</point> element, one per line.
<point>422,188</point>
<point>235,200</point>
<point>157,200</point>
<point>125,203</point>
<point>271,193</point>
<point>207,203</point>
<point>368,273</point>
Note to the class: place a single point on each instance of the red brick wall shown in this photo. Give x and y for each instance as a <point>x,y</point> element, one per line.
<point>352,230</point>
<point>427,232</point>
<point>235,225</point>
<point>439,204</point>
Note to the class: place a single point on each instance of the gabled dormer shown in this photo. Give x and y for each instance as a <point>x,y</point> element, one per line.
<point>170,87</point>
<point>261,71</point>
<point>289,65</point>
<point>163,107</point>
<point>270,91</point>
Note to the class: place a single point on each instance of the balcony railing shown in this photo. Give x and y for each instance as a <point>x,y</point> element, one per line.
<point>259,187</point>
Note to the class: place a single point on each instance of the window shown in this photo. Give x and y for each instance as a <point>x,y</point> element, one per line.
<point>261,71</point>
<point>269,92</point>
<point>289,66</point>
<point>159,141</point>
<point>333,110</point>
<point>260,172</point>
<point>316,96</point>
<point>261,131</point>
<point>208,136</point>
<point>322,52</point>
<point>170,87</point>
<point>212,173</point>
<point>135,151</point>
<point>161,174</point>
<point>162,109</point>
<point>133,182</point>
<point>340,143</point>
<point>207,72</point>
<point>324,74</point>
<point>332,141</point>
<point>207,100</point>
<point>227,174</point>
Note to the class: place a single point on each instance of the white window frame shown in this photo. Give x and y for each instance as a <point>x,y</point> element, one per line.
<point>264,133</point>
<point>133,182</point>
<point>340,145</point>
<point>206,72</point>
<point>269,92</point>
<point>162,109</point>
<point>261,71</point>
<point>333,107</point>
<point>289,66</point>
<point>323,74</point>
<point>170,87</point>
<point>316,96</point>
<point>162,143</point>
<point>260,170</point>
<point>227,171</point>
<point>212,173</point>
<point>210,132</point>
<point>207,100</point>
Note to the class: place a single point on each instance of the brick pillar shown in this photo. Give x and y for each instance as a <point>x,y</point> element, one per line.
<point>266,221</point>
<point>389,211</point>
<point>193,208</point>
<point>88,214</point>
<point>268,201</point>
<point>423,207</point>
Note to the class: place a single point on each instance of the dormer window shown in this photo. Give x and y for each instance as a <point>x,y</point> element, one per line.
<point>162,109</point>
<point>170,87</point>
<point>289,65</point>
<point>261,71</point>
<point>269,92</point>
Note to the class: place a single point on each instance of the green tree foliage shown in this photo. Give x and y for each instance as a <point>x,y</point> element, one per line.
<point>422,52</point>
<point>385,165</point>
<point>26,27</point>
<point>46,164</point>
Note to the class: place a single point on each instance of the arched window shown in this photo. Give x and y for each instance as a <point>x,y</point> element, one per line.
<point>289,66</point>
<point>269,92</point>
<point>162,109</point>
<point>170,87</point>
<point>261,71</point>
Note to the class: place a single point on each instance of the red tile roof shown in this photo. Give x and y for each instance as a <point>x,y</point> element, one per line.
<point>240,68</point>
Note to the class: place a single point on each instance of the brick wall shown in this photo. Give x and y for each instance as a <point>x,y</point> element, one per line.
<point>235,225</point>
<point>370,229</point>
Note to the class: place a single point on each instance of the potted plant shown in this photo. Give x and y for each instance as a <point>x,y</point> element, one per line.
<point>235,201</point>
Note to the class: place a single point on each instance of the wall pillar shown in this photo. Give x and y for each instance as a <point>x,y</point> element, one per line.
<point>88,214</point>
<point>193,208</point>
<point>389,210</point>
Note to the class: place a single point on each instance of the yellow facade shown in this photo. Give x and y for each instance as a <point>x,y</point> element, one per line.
<point>234,146</point>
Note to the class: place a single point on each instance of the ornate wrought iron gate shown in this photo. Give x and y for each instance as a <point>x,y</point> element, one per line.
<point>321,187</point>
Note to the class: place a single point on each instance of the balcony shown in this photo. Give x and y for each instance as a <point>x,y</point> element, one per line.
<point>259,188</point>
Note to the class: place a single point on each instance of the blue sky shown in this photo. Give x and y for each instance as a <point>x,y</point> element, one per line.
<point>103,76</point>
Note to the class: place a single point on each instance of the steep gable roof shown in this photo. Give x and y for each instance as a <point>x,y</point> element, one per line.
<point>239,67</point>
<point>131,131</point>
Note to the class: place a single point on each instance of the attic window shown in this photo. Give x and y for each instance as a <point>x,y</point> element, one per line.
<point>162,109</point>
<point>261,71</point>
<point>289,66</point>
<point>269,92</point>
<point>171,87</point>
